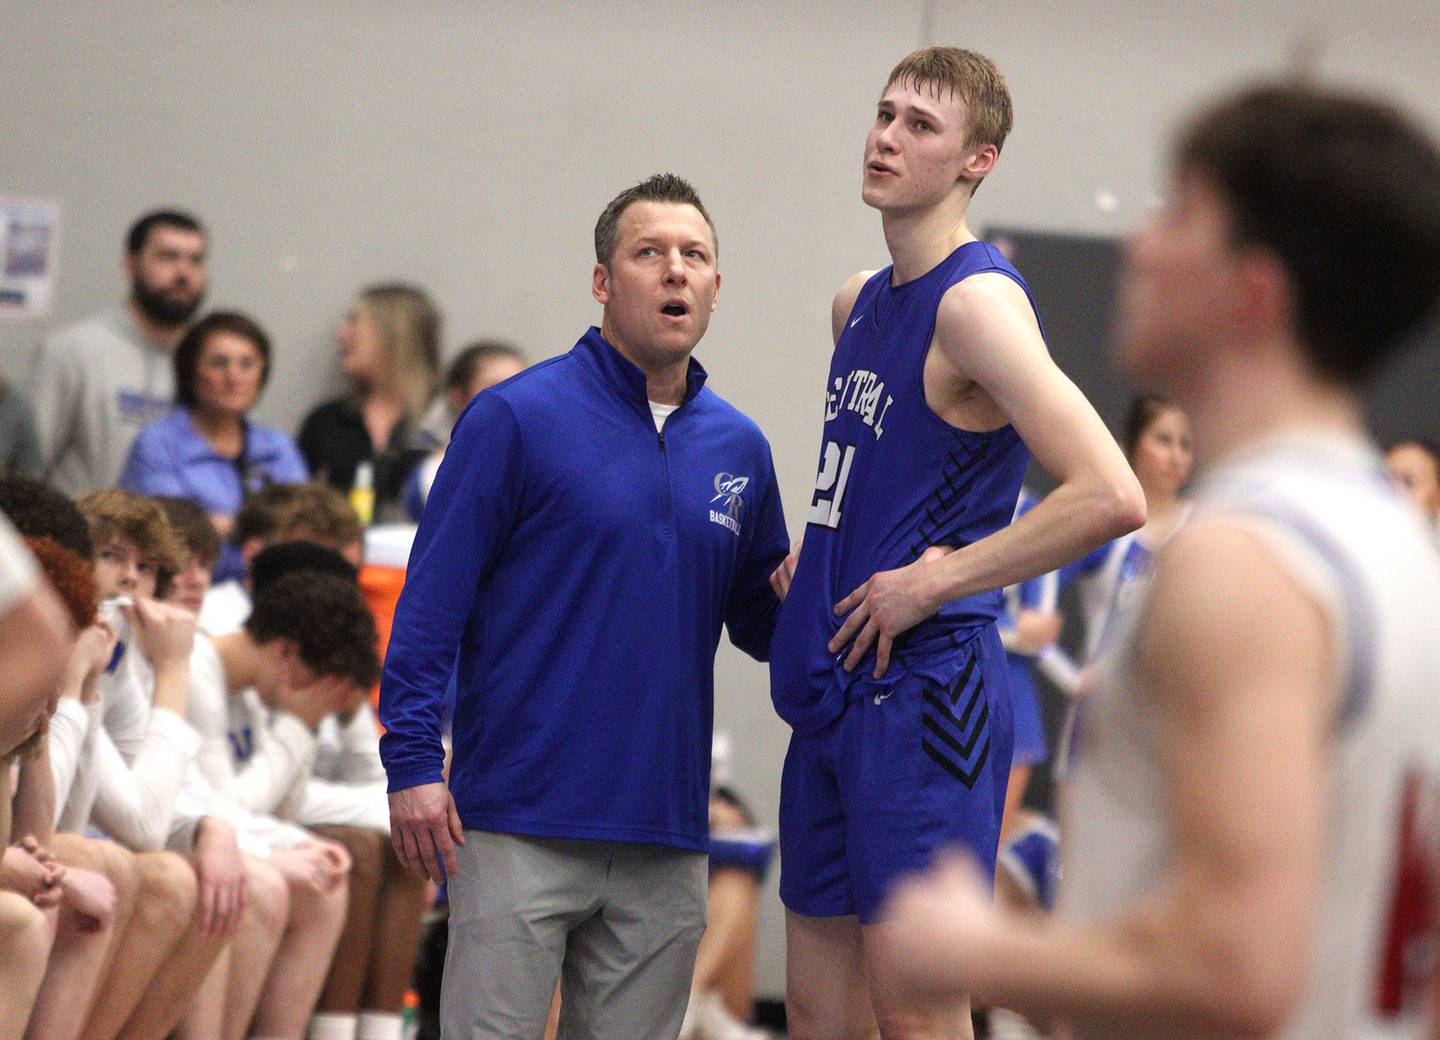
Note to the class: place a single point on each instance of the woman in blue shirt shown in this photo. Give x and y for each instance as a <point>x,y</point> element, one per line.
<point>207,450</point>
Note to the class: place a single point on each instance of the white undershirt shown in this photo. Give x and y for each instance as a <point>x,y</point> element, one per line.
<point>661,412</point>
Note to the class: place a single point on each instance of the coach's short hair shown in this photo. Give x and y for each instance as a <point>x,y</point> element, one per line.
<point>662,187</point>
<point>1344,190</point>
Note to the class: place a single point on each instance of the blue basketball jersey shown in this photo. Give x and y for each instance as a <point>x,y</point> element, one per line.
<point>894,479</point>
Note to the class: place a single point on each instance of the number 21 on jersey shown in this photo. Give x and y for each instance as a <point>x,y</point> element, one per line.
<point>830,484</point>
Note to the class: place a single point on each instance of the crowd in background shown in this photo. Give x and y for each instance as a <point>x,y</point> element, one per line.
<point>196,833</point>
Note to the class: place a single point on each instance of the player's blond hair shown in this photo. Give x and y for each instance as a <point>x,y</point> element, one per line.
<point>972,78</point>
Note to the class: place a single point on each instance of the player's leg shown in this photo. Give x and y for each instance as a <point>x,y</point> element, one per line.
<point>80,957</point>
<point>824,966</point>
<point>1014,796</point>
<point>402,903</point>
<point>512,905</point>
<point>24,945</point>
<point>72,974</point>
<point>205,1017</point>
<point>340,999</point>
<point>175,983</point>
<point>628,967</point>
<point>164,910</point>
<point>726,959</point>
<point>826,994</point>
<point>926,767</point>
<point>303,960</point>
<point>252,948</point>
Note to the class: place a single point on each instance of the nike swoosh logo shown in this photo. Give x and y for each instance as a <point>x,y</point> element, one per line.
<point>883,696</point>
<point>857,321</point>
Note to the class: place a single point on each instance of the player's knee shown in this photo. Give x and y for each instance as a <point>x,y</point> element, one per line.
<point>807,1019</point>
<point>268,896</point>
<point>337,901</point>
<point>168,891</point>
<point>118,864</point>
<point>904,1025</point>
<point>311,906</point>
<point>24,932</point>
<point>367,852</point>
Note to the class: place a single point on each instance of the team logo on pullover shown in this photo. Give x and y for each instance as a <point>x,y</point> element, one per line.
<point>729,488</point>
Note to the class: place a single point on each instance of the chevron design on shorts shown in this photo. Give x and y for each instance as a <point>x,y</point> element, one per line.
<point>957,726</point>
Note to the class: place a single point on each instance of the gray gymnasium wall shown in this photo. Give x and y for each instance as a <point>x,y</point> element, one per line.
<point>469,146</point>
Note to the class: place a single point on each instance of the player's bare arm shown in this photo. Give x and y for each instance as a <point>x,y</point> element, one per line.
<point>840,309</point>
<point>1237,661</point>
<point>987,336</point>
<point>844,303</point>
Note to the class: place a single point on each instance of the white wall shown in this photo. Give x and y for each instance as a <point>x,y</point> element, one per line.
<point>470,146</point>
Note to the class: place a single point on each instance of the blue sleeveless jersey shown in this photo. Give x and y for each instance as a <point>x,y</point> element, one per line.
<point>894,479</point>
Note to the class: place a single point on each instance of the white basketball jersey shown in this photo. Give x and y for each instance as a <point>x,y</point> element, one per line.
<point>1323,504</point>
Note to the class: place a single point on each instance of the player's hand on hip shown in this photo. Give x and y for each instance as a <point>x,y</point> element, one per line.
<point>784,574</point>
<point>425,828</point>
<point>883,608</point>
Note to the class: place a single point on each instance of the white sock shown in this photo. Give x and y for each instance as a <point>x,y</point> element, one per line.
<point>329,1025</point>
<point>378,1025</point>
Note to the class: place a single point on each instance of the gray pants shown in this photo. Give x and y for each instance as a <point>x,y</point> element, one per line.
<point>617,924</point>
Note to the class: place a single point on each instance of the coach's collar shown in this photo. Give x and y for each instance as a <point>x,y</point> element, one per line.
<point>624,375</point>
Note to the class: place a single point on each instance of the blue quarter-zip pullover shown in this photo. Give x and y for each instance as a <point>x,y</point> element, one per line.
<point>574,567</point>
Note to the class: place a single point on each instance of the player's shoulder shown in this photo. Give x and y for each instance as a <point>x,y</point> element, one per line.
<point>850,290</point>
<point>984,291</point>
<point>987,314</point>
<point>1219,581</point>
<point>845,297</point>
<point>851,287</point>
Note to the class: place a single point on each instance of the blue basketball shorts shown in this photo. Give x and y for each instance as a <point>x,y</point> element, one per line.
<point>916,762</point>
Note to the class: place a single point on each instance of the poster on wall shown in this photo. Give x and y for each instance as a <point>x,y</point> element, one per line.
<point>29,238</point>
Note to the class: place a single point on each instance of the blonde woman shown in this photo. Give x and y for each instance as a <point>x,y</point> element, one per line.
<point>390,353</point>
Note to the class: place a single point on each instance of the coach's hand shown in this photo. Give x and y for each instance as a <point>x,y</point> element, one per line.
<point>784,574</point>
<point>889,604</point>
<point>425,828</point>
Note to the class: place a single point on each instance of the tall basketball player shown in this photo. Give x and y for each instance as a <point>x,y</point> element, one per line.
<point>886,660</point>
<point>1257,787</point>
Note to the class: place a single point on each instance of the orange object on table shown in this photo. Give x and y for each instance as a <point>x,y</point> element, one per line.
<point>382,576</point>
